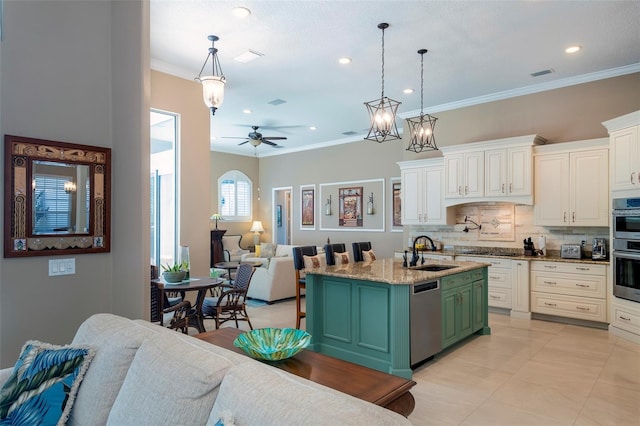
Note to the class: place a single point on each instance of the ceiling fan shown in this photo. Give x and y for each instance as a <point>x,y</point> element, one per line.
<point>256,138</point>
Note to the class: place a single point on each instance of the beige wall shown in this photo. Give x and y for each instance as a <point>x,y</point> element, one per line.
<point>78,72</point>
<point>184,97</point>
<point>222,163</point>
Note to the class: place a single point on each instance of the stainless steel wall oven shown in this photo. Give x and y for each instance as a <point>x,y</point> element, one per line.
<point>626,248</point>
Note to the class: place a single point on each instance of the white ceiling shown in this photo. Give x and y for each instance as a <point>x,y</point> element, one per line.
<point>478,51</point>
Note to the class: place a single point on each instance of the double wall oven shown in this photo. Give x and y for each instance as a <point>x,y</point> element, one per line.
<point>626,248</point>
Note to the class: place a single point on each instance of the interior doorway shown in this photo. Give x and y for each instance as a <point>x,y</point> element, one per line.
<point>281,220</point>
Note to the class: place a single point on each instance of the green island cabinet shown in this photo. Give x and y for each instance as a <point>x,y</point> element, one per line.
<point>464,306</point>
<point>367,322</point>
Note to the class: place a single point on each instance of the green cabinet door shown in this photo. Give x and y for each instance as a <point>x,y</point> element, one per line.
<point>478,309</point>
<point>449,305</point>
<point>457,315</point>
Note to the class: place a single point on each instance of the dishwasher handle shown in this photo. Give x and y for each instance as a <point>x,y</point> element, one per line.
<point>424,287</point>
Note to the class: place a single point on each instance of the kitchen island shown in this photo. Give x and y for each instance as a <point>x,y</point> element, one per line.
<point>360,312</point>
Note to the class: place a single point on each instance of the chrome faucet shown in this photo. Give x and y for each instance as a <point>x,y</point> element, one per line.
<point>414,258</point>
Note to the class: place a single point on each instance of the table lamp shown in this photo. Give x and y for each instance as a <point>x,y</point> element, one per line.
<point>216,217</point>
<point>256,228</point>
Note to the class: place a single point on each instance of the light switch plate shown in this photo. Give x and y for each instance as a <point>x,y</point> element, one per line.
<point>62,267</point>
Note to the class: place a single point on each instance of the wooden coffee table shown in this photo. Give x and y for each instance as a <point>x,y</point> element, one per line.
<point>385,390</point>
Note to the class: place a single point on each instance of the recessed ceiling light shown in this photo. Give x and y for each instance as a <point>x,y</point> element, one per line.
<point>247,111</point>
<point>573,49</point>
<point>313,128</point>
<point>408,91</point>
<point>241,12</point>
<point>248,56</point>
<point>344,60</point>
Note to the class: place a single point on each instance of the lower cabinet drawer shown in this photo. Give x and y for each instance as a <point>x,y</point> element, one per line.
<point>625,318</point>
<point>569,284</point>
<point>569,306</point>
<point>499,297</point>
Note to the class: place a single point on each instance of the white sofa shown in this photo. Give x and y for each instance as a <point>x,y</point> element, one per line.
<point>275,280</point>
<point>144,374</point>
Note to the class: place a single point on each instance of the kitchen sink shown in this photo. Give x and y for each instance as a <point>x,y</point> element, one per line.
<point>433,268</point>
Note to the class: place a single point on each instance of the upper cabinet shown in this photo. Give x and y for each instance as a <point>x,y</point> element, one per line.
<point>464,176</point>
<point>572,184</point>
<point>625,152</point>
<point>422,188</point>
<point>498,170</point>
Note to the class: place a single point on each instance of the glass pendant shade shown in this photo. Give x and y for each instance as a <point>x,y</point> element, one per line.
<point>213,91</point>
<point>212,85</point>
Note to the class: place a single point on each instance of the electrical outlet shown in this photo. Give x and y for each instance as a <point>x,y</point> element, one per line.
<point>62,267</point>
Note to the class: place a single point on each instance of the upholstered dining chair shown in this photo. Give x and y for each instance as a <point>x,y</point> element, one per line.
<point>298,265</point>
<point>230,303</point>
<point>330,249</point>
<point>358,248</point>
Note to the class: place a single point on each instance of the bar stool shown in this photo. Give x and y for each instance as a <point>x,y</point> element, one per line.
<point>330,249</point>
<point>298,264</point>
<point>358,248</point>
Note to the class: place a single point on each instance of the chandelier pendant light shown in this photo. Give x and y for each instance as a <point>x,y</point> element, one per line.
<point>421,128</point>
<point>212,85</point>
<point>382,112</point>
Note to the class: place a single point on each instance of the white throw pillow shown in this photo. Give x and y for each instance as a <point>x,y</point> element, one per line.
<point>341,258</point>
<point>169,382</point>
<point>316,261</point>
<point>368,255</point>
<point>267,250</point>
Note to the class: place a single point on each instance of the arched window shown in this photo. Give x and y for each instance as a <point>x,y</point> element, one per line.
<point>235,192</point>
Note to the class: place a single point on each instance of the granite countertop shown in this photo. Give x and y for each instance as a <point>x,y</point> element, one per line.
<point>390,271</point>
<point>552,255</point>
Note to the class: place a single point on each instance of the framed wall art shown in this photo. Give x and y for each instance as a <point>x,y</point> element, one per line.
<point>307,207</point>
<point>350,205</point>
<point>353,206</point>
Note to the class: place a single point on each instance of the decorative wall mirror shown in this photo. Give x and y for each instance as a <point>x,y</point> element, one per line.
<point>57,198</point>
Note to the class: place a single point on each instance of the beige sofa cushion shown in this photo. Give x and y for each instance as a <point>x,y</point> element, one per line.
<point>257,394</point>
<point>170,381</point>
<point>116,341</point>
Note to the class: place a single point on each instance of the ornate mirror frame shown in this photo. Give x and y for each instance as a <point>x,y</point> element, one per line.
<point>20,240</point>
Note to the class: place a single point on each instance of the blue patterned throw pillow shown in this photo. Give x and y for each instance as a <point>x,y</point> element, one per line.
<point>43,384</point>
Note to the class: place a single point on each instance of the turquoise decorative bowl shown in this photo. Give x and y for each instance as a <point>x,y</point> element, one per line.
<point>273,344</point>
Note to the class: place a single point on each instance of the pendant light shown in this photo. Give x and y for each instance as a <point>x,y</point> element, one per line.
<point>382,112</point>
<point>212,85</point>
<point>421,128</point>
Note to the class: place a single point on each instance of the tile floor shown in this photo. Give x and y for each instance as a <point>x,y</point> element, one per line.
<point>524,373</point>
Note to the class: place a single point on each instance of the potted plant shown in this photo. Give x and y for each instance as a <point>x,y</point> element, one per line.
<point>174,273</point>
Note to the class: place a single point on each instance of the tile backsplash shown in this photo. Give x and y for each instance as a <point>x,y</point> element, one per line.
<point>509,234</point>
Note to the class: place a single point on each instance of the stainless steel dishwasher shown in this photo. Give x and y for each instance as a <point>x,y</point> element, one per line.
<point>425,310</point>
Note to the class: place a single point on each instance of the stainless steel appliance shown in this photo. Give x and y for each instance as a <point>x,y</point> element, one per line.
<point>571,251</point>
<point>599,249</point>
<point>425,309</point>
<point>626,248</point>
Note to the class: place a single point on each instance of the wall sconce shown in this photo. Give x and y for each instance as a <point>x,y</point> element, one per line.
<point>256,228</point>
<point>327,206</point>
<point>69,187</point>
<point>370,204</point>
<point>212,85</point>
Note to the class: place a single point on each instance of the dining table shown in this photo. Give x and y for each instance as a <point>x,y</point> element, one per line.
<point>229,266</point>
<point>199,284</point>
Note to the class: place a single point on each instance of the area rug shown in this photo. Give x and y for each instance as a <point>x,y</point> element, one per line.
<point>255,303</point>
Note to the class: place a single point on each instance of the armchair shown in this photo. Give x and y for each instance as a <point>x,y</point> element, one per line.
<point>232,250</point>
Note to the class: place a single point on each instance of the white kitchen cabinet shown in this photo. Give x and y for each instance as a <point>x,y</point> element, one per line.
<point>520,307</point>
<point>508,172</point>
<point>625,319</point>
<point>422,187</point>
<point>567,289</point>
<point>572,184</point>
<point>624,135</point>
<point>464,175</point>
<point>498,170</point>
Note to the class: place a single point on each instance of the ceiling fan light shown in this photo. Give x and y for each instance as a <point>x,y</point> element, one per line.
<point>255,142</point>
